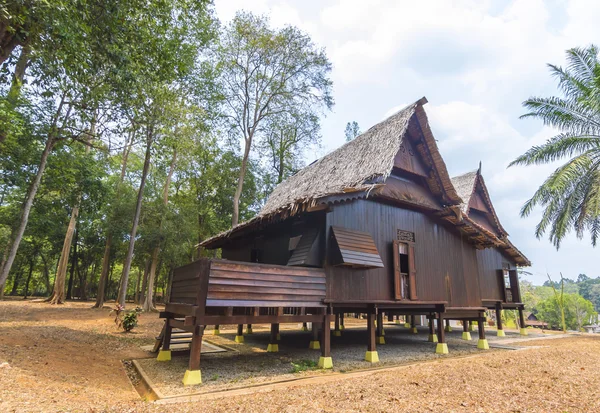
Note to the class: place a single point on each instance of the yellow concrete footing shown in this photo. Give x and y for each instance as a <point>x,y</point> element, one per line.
<point>164,355</point>
<point>216,332</point>
<point>441,348</point>
<point>380,340</point>
<point>472,328</point>
<point>482,344</point>
<point>407,325</point>
<point>523,331</point>
<point>414,330</point>
<point>466,336</point>
<point>304,328</point>
<point>342,327</point>
<point>337,333</point>
<point>501,333</point>
<point>372,357</point>
<point>192,377</point>
<point>382,332</point>
<point>239,339</point>
<point>314,345</point>
<point>448,329</point>
<point>432,338</point>
<point>278,337</point>
<point>272,348</point>
<point>249,330</point>
<point>325,363</point>
<point>398,322</point>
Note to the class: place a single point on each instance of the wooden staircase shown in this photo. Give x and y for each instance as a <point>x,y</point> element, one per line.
<point>178,337</point>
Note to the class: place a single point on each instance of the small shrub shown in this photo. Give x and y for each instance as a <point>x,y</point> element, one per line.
<point>126,320</point>
<point>303,365</point>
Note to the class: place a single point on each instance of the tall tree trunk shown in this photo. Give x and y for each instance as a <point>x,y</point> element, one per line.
<point>145,281</point>
<point>16,282</point>
<point>149,301</point>
<point>73,265</point>
<point>106,259</point>
<point>31,262</point>
<point>104,273</point>
<point>136,218</point>
<point>138,291</point>
<point>26,208</point>
<point>58,295</point>
<point>19,74</point>
<point>240,186</point>
<point>46,273</point>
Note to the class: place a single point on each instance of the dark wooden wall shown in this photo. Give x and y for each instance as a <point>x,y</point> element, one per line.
<point>446,265</point>
<point>489,261</point>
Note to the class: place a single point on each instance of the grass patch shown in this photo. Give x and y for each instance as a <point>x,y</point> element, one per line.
<point>303,365</point>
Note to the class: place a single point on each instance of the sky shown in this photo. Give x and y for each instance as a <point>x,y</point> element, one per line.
<point>476,62</point>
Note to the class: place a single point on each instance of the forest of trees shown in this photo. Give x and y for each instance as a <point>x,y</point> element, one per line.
<point>131,131</point>
<point>581,300</point>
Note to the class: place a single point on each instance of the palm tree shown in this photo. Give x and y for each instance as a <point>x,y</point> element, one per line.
<point>570,196</point>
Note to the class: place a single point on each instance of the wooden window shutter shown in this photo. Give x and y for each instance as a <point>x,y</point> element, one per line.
<point>412,272</point>
<point>397,276</point>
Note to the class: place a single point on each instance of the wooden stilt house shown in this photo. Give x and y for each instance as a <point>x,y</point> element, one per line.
<point>377,226</point>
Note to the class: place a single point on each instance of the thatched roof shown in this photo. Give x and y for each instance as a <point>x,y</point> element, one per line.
<point>466,186</point>
<point>358,166</point>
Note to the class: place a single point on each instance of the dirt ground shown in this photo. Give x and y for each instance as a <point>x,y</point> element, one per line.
<point>69,359</point>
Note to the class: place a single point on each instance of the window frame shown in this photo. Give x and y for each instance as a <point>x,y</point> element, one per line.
<point>412,271</point>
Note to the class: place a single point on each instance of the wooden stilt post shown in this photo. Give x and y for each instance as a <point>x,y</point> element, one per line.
<point>165,353</point>
<point>471,327</point>
<point>249,329</point>
<point>442,346</point>
<point>216,331</point>
<point>304,327</point>
<point>523,329</point>
<point>413,324</point>
<point>499,320</point>
<point>325,361</point>
<point>273,346</point>
<point>315,344</point>
<point>406,321</point>
<point>337,332</point>
<point>432,336</point>
<point>193,375</point>
<point>390,318</point>
<point>371,355</point>
<point>466,335</point>
<point>342,327</point>
<point>482,344</point>
<point>448,329</point>
<point>380,339</point>
<point>239,338</point>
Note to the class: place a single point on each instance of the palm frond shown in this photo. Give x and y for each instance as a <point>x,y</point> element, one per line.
<point>557,147</point>
<point>583,63</point>
<point>571,117</point>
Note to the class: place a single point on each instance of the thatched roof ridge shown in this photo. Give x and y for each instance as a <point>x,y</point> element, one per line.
<point>354,166</point>
<point>465,187</point>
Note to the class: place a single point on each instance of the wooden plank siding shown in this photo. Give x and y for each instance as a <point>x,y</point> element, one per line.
<point>440,254</point>
<point>243,284</point>
<point>490,262</point>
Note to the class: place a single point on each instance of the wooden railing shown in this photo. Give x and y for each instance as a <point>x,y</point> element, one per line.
<point>223,283</point>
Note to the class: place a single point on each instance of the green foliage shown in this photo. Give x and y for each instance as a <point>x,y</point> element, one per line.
<point>578,311</point>
<point>303,365</point>
<point>352,131</point>
<point>127,320</point>
<point>570,196</point>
